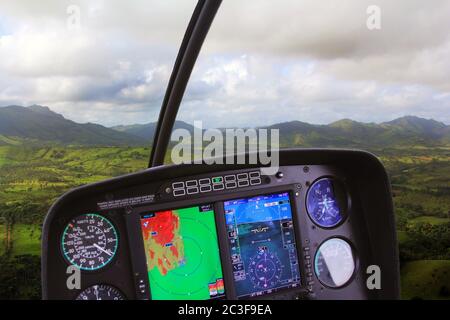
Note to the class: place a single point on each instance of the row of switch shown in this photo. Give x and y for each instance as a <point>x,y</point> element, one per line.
<point>308,269</point>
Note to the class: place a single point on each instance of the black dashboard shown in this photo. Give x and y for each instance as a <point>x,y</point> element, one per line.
<point>199,232</point>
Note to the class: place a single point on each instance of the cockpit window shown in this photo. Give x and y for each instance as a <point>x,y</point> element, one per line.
<point>326,74</point>
<point>100,62</point>
<point>81,86</point>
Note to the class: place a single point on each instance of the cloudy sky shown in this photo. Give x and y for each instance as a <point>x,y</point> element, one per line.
<point>308,60</point>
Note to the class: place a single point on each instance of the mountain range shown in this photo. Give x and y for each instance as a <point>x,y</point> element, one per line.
<point>408,130</point>
<point>38,124</point>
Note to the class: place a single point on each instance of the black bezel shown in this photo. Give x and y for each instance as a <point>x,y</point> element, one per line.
<point>185,207</point>
<point>345,196</point>
<point>355,258</point>
<point>88,271</point>
<point>138,254</point>
<point>298,247</point>
<point>370,228</point>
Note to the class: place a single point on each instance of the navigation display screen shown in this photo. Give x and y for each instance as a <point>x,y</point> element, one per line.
<point>182,254</point>
<point>262,244</point>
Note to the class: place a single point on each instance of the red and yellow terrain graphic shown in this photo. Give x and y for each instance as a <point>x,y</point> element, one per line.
<point>182,254</point>
<point>163,241</point>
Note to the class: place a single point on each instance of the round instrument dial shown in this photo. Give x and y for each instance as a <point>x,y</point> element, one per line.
<point>325,202</point>
<point>334,263</point>
<point>101,292</point>
<point>265,270</point>
<point>89,241</point>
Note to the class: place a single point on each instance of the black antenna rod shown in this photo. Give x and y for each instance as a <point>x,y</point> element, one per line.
<point>191,45</point>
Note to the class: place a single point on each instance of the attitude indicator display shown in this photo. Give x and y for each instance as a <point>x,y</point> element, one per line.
<point>325,203</point>
<point>262,244</point>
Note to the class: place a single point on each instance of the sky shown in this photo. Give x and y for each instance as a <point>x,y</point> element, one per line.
<point>109,61</point>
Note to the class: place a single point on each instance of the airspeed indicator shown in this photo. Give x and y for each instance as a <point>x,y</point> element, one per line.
<point>89,241</point>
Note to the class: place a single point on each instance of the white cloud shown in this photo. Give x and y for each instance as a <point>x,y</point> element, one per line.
<point>262,63</point>
<point>148,88</point>
<point>299,91</point>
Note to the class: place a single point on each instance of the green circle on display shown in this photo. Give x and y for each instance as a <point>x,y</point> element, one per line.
<point>199,262</point>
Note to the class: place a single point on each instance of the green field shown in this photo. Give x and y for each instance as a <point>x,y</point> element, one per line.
<point>431,220</point>
<point>426,279</point>
<point>33,177</point>
<point>26,239</point>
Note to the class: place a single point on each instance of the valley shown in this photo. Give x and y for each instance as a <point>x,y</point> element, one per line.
<point>38,165</point>
<point>33,178</point>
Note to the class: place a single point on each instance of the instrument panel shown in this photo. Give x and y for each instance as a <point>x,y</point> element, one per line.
<point>226,232</point>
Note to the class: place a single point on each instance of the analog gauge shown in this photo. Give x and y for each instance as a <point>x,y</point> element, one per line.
<point>89,241</point>
<point>101,292</point>
<point>325,203</point>
<point>334,263</point>
<point>265,270</point>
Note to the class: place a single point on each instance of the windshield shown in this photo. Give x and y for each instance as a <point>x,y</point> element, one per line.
<point>81,85</point>
<point>326,74</point>
<point>102,62</point>
<point>346,74</point>
<point>82,82</point>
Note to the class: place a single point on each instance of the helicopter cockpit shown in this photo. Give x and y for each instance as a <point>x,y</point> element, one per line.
<point>277,224</point>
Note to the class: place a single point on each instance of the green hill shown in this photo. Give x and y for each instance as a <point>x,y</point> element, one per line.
<point>345,133</point>
<point>40,124</point>
<point>147,131</point>
<point>405,131</point>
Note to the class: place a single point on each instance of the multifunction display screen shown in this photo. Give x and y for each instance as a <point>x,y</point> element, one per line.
<point>182,253</point>
<point>262,244</point>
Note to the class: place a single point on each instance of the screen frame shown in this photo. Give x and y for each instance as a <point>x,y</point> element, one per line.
<point>136,242</point>
<point>298,247</point>
<point>212,205</point>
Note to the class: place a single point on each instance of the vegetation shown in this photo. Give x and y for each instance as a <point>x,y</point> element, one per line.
<point>37,124</point>
<point>33,177</point>
<point>43,155</point>
<point>421,187</point>
<point>20,277</point>
<point>426,278</point>
<point>31,180</point>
